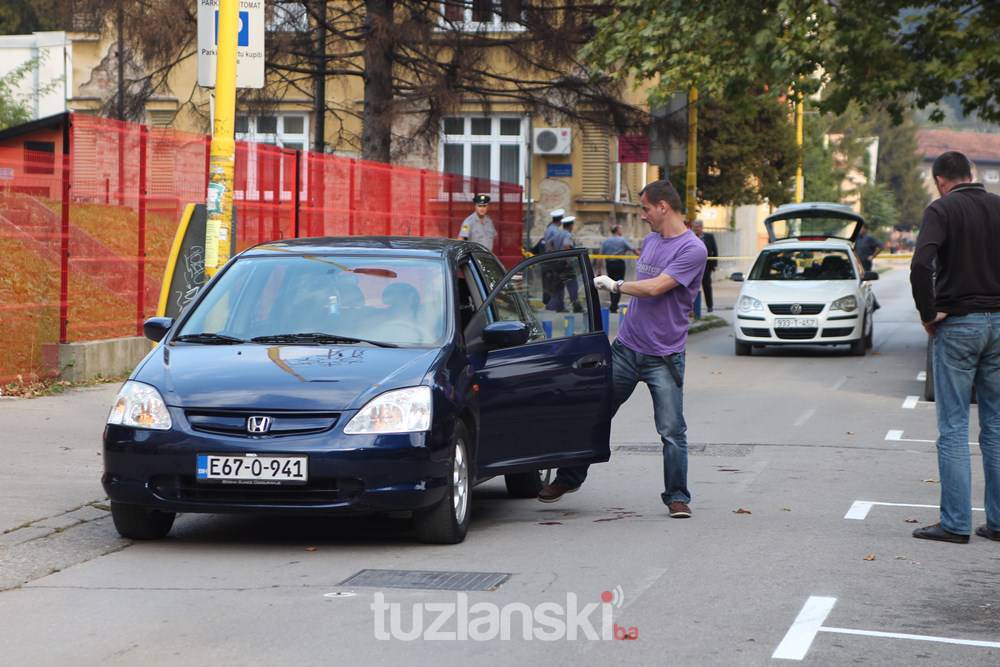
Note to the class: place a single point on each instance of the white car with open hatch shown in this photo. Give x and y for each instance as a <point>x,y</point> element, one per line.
<point>807,288</point>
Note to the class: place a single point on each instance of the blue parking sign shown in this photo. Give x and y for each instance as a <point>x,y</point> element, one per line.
<point>243,37</point>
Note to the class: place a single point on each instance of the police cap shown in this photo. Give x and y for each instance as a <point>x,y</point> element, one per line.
<point>558,213</point>
<point>481,199</point>
<point>568,220</point>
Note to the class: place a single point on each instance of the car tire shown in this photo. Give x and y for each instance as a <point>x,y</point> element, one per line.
<point>141,523</point>
<point>527,484</point>
<point>929,376</point>
<point>448,521</point>
<point>743,349</point>
<point>860,346</point>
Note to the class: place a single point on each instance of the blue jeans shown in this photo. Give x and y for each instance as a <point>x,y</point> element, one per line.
<point>967,355</point>
<point>628,368</point>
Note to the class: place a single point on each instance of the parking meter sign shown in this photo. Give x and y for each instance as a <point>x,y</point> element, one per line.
<point>249,43</point>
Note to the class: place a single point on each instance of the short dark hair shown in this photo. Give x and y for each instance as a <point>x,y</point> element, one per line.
<point>663,190</point>
<point>952,166</point>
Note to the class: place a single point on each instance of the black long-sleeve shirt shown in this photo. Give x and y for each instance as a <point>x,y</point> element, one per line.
<point>959,243</point>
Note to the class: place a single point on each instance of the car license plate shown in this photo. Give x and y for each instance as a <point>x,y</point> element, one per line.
<point>252,469</point>
<point>789,323</point>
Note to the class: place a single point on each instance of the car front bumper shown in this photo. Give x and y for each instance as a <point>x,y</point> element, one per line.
<point>835,328</point>
<point>157,469</point>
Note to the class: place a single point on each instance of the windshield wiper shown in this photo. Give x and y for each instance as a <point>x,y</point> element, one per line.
<point>316,338</point>
<point>209,339</point>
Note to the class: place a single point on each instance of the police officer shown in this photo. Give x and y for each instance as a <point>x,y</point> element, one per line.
<point>564,240</point>
<point>547,244</point>
<point>478,227</point>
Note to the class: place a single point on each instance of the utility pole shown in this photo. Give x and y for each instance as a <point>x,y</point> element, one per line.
<point>223,152</point>
<point>799,140</point>
<point>120,102</point>
<point>691,180</point>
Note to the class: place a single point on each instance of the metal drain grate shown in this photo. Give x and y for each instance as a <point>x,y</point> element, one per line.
<point>693,449</point>
<point>428,580</point>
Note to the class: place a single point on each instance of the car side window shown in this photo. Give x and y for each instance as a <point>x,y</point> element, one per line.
<point>469,294</point>
<point>550,296</point>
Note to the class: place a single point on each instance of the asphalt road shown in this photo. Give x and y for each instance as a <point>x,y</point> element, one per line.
<point>789,554</point>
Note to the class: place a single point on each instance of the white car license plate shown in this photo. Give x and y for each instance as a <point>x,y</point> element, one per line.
<point>788,323</point>
<point>252,469</point>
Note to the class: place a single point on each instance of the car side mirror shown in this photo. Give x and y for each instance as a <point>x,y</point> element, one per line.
<point>871,275</point>
<point>155,328</point>
<point>506,333</point>
<point>736,277</point>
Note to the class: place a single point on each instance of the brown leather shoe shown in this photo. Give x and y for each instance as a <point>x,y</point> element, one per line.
<point>679,510</point>
<point>550,493</point>
<point>987,532</point>
<point>936,532</point>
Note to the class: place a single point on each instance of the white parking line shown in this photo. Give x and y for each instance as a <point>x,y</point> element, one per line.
<point>839,383</point>
<point>800,636</point>
<point>804,417</point>
<point>897,436</point>
<point>922,376</point>
<point>922,638</point>
<point>860,508</point>
<point>911,402</point>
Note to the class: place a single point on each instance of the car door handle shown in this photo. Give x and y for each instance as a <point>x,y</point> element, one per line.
<point>591,361</point>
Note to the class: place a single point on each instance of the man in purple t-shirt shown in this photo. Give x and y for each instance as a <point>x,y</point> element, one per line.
<point>650,344</point>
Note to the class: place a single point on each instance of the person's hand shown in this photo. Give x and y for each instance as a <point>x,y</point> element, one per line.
<point>931,327</point>
<point>605,283</point>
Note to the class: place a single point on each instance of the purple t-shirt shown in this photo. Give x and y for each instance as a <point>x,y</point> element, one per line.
<point>658,325</point>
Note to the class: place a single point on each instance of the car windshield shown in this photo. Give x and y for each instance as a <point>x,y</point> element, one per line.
<point>324,299</point>
<point>803,264</point>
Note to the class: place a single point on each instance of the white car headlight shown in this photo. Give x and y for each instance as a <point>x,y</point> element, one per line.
<point>400,411</point>
<point>749,304</point>
<point>847,304</point>
<point>140,406</point>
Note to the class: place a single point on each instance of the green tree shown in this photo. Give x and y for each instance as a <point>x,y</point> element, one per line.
<point>896,53</point>
<point>14,108</point>
<point>899,167</point>
<point>878,205</point>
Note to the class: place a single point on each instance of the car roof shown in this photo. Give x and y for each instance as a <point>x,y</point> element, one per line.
<point>413,246</point>
<point>798,244</point>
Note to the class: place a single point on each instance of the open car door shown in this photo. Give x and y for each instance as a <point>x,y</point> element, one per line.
<point>543,365</point>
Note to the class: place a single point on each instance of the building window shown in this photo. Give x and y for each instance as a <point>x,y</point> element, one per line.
<point>39,157</point>
<point>484,15</point>
<point>288,130</point>
<point>287,17</point>
<point>484,147</point>
<point>992,176</point>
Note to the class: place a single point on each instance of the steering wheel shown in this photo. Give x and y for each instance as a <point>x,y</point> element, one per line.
<point>398,325</point>
<point>788,271</point>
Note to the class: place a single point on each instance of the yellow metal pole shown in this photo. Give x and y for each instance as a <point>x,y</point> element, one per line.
<point>799,140</point>
<point>218,229</point>
<point>691,180</point>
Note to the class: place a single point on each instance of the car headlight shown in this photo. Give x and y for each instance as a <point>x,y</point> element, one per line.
<point>847,304</point>
<point>140,406</point>
<point>749,304</point>
<point>400,411</point>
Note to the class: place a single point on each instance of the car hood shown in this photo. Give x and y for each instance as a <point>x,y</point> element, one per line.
<point>805,291</point>
<point>281,377</point>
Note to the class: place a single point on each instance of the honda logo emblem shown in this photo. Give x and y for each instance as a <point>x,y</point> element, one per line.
<point>258,424</point>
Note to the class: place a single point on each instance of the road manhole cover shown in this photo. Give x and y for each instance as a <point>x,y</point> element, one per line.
<point>428,580</point>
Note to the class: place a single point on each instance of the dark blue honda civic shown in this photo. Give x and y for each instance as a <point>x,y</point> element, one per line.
<point>362,374</point>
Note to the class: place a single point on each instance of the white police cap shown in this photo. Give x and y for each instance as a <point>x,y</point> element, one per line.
<point>558,213</point>
<point>569,220</point>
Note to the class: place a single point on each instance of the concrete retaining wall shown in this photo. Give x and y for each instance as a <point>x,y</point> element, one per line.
<point>81,362</point>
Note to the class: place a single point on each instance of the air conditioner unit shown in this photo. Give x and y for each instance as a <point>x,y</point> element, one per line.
<point>552,141</point>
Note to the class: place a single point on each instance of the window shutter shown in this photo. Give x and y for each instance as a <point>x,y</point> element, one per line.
<point>596,162</point>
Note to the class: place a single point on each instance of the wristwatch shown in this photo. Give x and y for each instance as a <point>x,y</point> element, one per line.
<point>618,286</point>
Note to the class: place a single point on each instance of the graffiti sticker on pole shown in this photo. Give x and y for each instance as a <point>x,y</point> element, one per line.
<point>249,46</point>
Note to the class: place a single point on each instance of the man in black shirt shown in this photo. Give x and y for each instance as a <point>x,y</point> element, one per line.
<point>955,275</point>
<point>867,247</point>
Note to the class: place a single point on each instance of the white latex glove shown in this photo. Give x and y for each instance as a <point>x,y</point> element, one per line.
<point>605,283</point>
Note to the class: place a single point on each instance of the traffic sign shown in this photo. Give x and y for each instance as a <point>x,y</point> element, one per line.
<point>249,49</point>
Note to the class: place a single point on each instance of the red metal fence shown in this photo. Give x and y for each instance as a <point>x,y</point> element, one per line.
<point>88,213</point>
